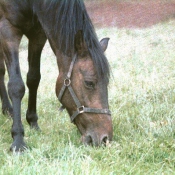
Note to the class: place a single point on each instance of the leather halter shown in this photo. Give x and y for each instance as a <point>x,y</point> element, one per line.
<point>80,108</point>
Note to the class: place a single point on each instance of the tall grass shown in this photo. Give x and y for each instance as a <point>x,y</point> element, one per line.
<point>141,97</point>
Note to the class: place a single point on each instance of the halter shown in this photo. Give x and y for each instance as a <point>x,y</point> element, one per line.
<point>80,108</point>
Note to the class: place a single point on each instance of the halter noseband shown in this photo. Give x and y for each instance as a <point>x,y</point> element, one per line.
<point>80,108</point>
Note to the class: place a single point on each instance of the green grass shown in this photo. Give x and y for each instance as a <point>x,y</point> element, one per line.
<point>142,101</point>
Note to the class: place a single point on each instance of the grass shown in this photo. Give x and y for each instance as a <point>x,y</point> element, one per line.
<point>141,97</point>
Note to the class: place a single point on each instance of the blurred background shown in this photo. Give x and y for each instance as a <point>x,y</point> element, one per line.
<point>130,13</point>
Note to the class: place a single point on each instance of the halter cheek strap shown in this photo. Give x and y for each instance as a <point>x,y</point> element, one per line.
<point>80,108</point>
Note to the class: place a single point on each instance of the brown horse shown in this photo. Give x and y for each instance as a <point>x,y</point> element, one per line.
<point>83,69</point>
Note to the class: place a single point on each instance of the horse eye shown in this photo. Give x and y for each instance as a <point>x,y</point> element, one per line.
<point>90,84</point>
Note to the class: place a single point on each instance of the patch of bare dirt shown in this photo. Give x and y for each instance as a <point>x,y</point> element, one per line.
<point>130,14</point>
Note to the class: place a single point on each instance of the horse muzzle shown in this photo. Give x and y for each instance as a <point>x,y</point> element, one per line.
<point>94,139</point>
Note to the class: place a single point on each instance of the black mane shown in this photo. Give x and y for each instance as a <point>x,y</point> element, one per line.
<point>66,17</point>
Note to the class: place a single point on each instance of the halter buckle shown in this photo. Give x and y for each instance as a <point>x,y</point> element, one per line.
<point>67,82</point>
<point>80,109</point>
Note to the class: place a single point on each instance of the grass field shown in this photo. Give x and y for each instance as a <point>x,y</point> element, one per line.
<point>142,101</point>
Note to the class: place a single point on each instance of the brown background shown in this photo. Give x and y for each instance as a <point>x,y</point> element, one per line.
<point>130,14</point>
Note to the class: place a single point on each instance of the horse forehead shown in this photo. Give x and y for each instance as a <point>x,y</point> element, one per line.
<point>87,64</point>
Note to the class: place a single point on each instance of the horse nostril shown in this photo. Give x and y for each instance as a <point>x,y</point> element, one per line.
<point>105,140</point>
<point>96,141</point>
<point>89,140</point>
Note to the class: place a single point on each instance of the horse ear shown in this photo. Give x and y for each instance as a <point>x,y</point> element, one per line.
<point>80,45</point>
<point>104,43</point>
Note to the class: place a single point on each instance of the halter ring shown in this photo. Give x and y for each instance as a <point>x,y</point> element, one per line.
<point>67,82</point>
<point>80,109</point>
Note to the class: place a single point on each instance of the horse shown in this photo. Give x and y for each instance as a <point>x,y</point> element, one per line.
<point>84,71</point>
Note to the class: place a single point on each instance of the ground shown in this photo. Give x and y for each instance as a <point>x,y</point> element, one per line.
<point>133,14</point>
